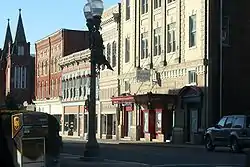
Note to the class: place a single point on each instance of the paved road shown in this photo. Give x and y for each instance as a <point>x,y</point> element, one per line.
<point>156,156</point>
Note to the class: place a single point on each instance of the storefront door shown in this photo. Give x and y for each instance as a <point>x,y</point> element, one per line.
<point>193,124</point>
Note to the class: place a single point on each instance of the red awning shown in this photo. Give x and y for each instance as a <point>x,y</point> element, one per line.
<point>123,99</point>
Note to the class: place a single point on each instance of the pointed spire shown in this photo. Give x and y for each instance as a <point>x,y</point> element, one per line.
<point>8,37</point>
<point>20,34</point>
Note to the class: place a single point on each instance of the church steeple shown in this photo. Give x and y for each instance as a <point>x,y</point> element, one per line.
<point>8,37</point>
<point>20,34</point>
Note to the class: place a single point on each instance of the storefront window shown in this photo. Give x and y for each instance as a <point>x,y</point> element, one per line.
<point>145,122</point>
<point>158,122</point>
<point>66,122</point>
<point>104,125</point>
<point>58,118</point>
<point>73,122</point>
<point>114,125</point>
<point>85,123</point>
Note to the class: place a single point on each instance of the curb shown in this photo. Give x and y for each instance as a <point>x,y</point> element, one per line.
<point>163,145</point>
<point>79,139</point>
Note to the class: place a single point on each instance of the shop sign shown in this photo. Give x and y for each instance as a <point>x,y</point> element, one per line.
<point>142,75</point>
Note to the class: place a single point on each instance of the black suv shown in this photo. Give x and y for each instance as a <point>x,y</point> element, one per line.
<point>232,131</point>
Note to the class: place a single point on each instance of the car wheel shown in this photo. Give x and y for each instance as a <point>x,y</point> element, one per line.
<point>209,144</point>
<point>235,147</point>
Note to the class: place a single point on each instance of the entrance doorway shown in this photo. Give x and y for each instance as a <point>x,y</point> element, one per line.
<point>192,124</point>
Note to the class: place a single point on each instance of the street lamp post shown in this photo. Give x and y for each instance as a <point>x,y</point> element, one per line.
<point>93,11</point>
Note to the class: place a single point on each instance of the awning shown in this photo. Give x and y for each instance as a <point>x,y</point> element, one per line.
<point>155,99</point>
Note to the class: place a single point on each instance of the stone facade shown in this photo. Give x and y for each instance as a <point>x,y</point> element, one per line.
<point>109,85</point>
<point>167,51</point>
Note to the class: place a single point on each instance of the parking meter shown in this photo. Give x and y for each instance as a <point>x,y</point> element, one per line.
<point>28,133</point>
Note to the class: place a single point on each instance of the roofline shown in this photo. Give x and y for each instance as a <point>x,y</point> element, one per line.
<point>50,35</point>
<point>115,5</point>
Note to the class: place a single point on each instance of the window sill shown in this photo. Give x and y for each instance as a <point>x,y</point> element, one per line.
<point>193,47</point>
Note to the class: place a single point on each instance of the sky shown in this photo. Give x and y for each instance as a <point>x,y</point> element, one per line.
<point>43,17</point>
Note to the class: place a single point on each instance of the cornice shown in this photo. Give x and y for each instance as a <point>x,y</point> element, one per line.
<point>80,56</point>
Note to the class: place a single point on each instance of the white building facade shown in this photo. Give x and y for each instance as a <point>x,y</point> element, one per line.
<point>109,79</point>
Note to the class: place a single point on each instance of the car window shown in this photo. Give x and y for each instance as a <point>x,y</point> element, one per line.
<point>248,122</point>
<point>239,122</point>
<point>229,122</point>
<point>221,123</point>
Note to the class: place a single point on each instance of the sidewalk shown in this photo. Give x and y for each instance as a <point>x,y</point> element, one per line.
<point>136,143</point>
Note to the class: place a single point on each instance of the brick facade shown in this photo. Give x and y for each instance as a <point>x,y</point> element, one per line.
<point>17,66</point>
<point>48,52</point>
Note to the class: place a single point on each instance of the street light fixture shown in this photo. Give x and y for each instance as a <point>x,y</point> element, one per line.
<point>93,11</point>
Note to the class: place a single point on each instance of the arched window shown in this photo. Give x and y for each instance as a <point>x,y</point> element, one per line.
<point>52,88</point>
<point>46,68</point>
<point>42,90</point>
<point>38,70</point>
<point>55,65</point>
<point>114,54</point>
<point>104,53</point>
<point>52,65</point>
<point>80,91</point>
<point>109,52</point>
<point>42,68</point>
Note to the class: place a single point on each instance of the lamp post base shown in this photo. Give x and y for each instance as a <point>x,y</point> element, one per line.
<point>92,149</point>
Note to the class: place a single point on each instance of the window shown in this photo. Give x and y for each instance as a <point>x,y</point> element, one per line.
<point>55,65</point>
<point>127,9</point>
<point>104,122</point>
<point>52,66</point>
<point>157,4</point>
<point>222,122</point>
<point>248,122</point>
<point>158,125</point>
<point>46,68</point>
<point>20,50</point>
<point>225,30</point>
<point>144,45</point>
<point>127,85</point>
<point>157,41</point>
<point>114,54</point>
<point>108,52</point>
<point>171,37</point>
<point>239,122</point>
<point>192,77</point>
<point>144,6</point>
<point>127,50</point>
<point>20,77</point>
<point>169,1</point>
<point>192,30</point>
<point>114,124</point>
<point>229,122</point>
<point>145,122</point>
<point>104,54</point>
<point>52,88</point>
<point>42,66</point>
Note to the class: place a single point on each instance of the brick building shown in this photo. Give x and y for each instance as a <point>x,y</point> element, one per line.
<point>166,52</point>
<point>16,66</point>
<point>48,72</point>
